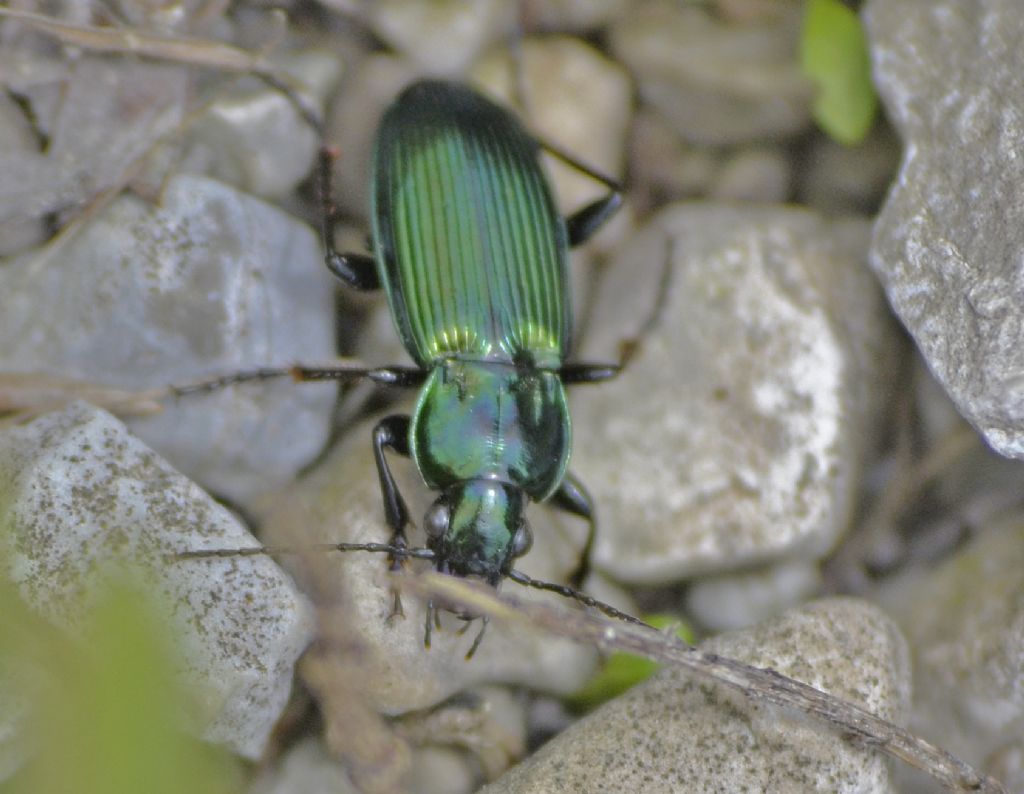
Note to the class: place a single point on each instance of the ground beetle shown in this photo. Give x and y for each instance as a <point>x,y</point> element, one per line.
<point>472,254</point>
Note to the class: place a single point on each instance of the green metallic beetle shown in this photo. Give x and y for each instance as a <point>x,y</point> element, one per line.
<point>472,253</point>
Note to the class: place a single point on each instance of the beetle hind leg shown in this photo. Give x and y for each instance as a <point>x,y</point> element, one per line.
<point>572,497</point>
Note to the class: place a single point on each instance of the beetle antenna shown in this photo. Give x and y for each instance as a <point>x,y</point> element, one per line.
<point>252,551</point>
<point>569,592</point>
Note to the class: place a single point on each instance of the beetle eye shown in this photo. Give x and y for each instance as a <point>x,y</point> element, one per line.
<point>522,540</point>
<point>435,523</point>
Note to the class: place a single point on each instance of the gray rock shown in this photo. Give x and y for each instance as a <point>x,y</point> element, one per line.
<point>106,118</point>
<point>254,139</point>
<point>207,282</point>
<point>306,767</point>
<point>840,179</point>
<point>673,733</point>
<point>947,243</point>
<point>738,432</point>
<point>964,621</point>
<point>717,83</point>
<point>662,167</point>
<point>84,498</point>
<point>756,174</point>
<point>17,141</point>
<point>739,600</point>
<point>577,16</point>
<point>341,501</point>
<point>441,38</point>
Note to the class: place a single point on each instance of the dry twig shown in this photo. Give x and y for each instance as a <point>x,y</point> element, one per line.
<point>760,685</point>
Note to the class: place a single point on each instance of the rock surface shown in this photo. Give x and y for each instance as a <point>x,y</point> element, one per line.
<point>672,733</point>
<point>82,498</point>
<point>737,434</point>
<point>718,83</point>
<point>964,622</point>
<point>253,137</point>
<point>948,242</point>
<point>207,282</point>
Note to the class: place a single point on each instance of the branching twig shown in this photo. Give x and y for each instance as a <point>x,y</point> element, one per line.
<point>762,685</point>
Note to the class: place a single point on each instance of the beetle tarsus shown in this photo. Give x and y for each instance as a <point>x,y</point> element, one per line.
<point>397,610</point>
<point>478,639</point>
<point>428,624</point>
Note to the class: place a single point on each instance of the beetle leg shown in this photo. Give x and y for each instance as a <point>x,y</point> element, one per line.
<point>581,372</point>
<point>358,271</point>
<point>392,432</point>
<point>585,223</point>
<point>428,624</point>
<point>572,497</point>
<point>478,639</point>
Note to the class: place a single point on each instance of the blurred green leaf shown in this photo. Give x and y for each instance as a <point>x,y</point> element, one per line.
<point>107,712</point>
<point>834,54</point>
<point>621,671</point>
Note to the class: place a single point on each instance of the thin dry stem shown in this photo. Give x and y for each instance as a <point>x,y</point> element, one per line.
<point>766,686</point>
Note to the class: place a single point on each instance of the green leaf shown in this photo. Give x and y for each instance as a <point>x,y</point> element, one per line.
<point>834,55</point>
<point>108,712</point>
<point>621,671</point>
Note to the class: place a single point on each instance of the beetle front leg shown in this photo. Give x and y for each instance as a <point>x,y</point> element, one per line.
<point>572,497</point>
<point>392,432</point>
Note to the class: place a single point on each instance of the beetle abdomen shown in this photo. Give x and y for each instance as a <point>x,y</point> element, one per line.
<point>471,248</point>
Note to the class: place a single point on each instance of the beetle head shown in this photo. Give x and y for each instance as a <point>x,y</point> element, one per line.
<point>477,527</point>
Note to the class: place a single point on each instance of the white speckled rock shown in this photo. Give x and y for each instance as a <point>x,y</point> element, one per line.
<point>964,621</point>
<point>948,242</point>
<point>673,733</point>
<point>737,434</point>
<point>341,501</point>
<point>209,281</point>
<point>718,83</point>
<point>82,496</point>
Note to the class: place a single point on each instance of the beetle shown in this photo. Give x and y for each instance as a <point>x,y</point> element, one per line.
<point>472,255</point>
